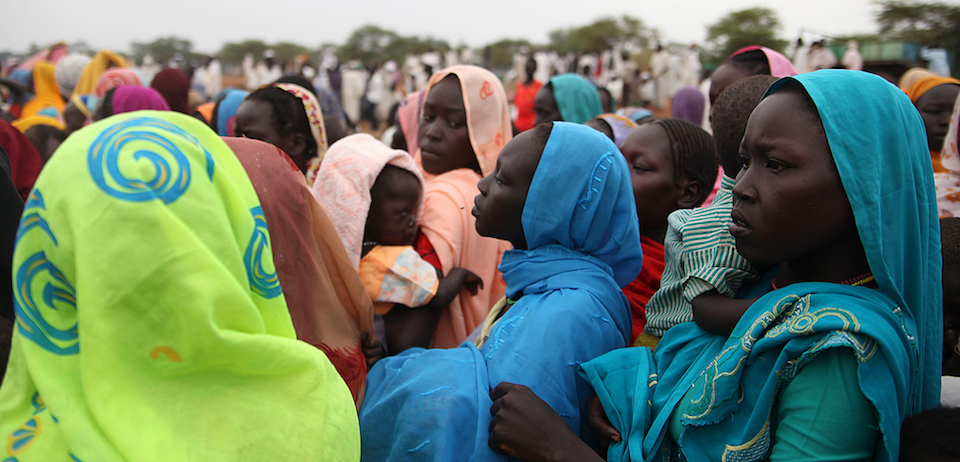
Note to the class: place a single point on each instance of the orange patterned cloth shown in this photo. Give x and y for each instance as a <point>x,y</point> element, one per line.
<point>948,178</point>
<point>397,274</point>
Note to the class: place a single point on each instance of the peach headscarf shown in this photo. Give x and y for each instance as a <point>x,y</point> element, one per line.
<point>328,304</point>
<point>348,171</point>
<point>912,75</point>
<point>447,219</point>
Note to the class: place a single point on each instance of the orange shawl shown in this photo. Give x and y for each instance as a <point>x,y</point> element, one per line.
<point>448,201</point>
<point>327,301</point>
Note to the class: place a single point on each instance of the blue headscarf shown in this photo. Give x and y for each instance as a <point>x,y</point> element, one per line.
<point>329,104</point>
<point>878,144</point>
<point>581,226</point>
<point>227,108</point>
<point>576,97</point>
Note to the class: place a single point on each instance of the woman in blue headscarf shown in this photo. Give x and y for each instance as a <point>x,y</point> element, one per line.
<point>226,109</point>
<point>577,244</point>
<point>842,345</point>
<point>569,98</point>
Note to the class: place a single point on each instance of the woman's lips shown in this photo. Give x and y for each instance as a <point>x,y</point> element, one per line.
<point>739,226</point>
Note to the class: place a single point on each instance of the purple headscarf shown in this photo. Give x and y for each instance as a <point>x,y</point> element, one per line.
<point>130,98</point>
<point>688,105</point>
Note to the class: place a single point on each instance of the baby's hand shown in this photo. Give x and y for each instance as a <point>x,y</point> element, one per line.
<point>472,282</point>
<point>372,349</point>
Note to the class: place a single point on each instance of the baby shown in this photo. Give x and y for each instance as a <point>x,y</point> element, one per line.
<point>374,195</point>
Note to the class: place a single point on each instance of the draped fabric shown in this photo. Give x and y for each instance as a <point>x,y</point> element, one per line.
<point>150,320</point>
<point>894,332</point>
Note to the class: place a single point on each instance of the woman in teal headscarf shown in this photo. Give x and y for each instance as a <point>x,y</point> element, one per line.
<point>819,368</point>
<point>567,98</point>
<point>579,244</point>
<point>226,110</point>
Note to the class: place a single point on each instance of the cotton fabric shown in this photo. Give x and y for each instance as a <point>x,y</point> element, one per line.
<point>576,97</point>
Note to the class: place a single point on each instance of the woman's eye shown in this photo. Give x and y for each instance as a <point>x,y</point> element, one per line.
<point>744,161</point>
<point>455,124</point>
<point>775,166</point>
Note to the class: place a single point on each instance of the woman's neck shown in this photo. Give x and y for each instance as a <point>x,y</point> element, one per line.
<point>837,262</point>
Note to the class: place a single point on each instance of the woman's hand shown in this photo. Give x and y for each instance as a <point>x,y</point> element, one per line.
<point>526,428</point>
<point>602,429</point>
<point>372,349</point>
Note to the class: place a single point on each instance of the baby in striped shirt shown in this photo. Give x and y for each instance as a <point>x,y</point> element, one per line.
<point>703,268</point>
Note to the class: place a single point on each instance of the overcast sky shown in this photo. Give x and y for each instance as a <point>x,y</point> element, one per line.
<point>209,24</point>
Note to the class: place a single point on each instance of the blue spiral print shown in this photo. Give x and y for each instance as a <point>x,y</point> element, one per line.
<point>57,292</point>
<point>264,284</point>
<point>170,180</point>
<point>31,217</point>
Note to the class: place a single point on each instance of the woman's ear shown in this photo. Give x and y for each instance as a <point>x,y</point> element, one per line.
<point>691,193</point>
<point>298,146</point>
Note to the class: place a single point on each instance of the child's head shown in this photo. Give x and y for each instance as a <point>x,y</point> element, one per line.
<point>394,200</point>
<point>950,245</point>
<point>729,115</point>
<point>278,117</point>
<point>465,121</point>
<point>499,206</point>
<point>753,62</point>
<point>930,436</point>
<point>672,166</point>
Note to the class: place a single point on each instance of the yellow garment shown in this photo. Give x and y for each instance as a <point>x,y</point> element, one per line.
<point>102,61</point>
<point>923,85</point>
<point>24,123</point>
<point>45,89</point>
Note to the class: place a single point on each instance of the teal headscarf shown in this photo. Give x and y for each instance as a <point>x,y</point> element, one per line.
<point>878,143</point>
<point>576,97</point>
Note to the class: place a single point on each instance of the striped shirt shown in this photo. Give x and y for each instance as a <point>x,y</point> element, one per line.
<point>701,256</point>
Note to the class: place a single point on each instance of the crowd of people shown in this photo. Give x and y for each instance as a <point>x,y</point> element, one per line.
<point>535,268</point>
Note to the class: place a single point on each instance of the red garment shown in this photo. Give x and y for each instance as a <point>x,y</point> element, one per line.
<point>174,85</point>
<point>25,161</point>
<point>523,100</point>
<point>642,288</point>
<point>426,251</point>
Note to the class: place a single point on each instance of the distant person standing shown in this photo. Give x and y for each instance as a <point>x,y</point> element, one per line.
<point>852,59</point>
<point>660,68</point>
<point>524,95</point>
<point>801,57</point>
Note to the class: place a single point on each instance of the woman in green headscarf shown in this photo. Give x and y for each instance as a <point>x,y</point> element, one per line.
<point>150,320</point>
<point>567,98</point>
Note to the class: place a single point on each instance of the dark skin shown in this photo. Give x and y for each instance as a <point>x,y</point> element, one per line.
<point>530,68</point>
<point>657,190</point>
<point>784,162</point>
<point>73,119</point>
<point>444,137</point>
<point>601,126</point>
<point>723,77</point>
<point>255,120</point>
<point>503,193</point>
<point>545,106</point>
<point>392,220</point>
<point>935,107</point>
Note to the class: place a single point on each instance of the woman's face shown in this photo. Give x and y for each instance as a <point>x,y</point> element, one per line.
<point>789,204</point>
<point>444,139</point>
<point>255,120</point>
<point>503,193</point>
<point>545,106</point>
<point>652,173</point>
<point>936,107</point>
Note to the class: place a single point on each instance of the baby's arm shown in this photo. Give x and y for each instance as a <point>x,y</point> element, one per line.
<point>718,314</point>
<point>414,327</point>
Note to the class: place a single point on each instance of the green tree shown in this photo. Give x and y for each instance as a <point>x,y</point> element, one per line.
<point>369,44</point>
<point>287,51</point>
<point>163,49</point>
<point>502,51</point>
<point>928,24</point>
<point>601,35</point>
<point>753,26</point>
<point>233,53</point>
